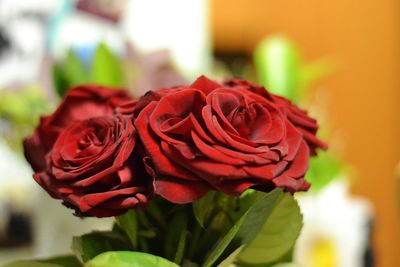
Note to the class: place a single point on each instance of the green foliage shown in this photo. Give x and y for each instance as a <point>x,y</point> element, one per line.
<point>90,245</point>
<point>203,208</point>
<point>277,63</point>
<point>281,69</point>
<point>61,261</point>
<point>129,259</point>
<point>67,261</point>
<point>106,68</point>
<point>22,106</point>
<point>31,264</point>
<point>277,235</point>
<point>247,227</point>
<point>176,235</point>
<point>129,223</point>
<point>254,229</point>
<point>21,110</point>
<point>323,169</point>
<point>69,73</point>
<point>228,261</point>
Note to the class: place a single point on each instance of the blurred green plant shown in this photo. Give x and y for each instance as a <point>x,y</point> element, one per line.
<point>106,69</point>
<point>20,110</point>
<point>280,67</point>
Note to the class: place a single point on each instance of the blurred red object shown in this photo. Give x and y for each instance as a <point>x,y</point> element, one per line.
<point>108,10</point>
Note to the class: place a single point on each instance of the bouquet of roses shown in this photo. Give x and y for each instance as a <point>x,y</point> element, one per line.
<point>195,175</point>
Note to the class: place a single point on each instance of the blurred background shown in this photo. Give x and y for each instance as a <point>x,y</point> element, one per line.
<point>340,59</point>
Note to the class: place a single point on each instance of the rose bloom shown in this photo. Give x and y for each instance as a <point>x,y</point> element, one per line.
<point>80,103</point>
<point>83,154</point>
<point>226,137</point>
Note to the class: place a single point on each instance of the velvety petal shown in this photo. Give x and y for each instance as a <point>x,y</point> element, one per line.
<point>88,201</point>
<point>205,85</point>
<point>151,144</point>
<point>267,171</point>
<point>255,158</point>
<point>208,170</point>
<point>180,191</point>
<point>214,154</point>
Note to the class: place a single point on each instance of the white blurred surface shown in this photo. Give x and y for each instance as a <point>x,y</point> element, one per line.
<point>336,226</point>
<point>180,26</point>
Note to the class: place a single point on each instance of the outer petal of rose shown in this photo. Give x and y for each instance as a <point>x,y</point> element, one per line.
<point>45,181</point>
<point>260,90</point>
<point>291,184</point>
<point>204,84</point>
<point>294,140</point>
<point>266,172</point>
<point>100,212</point>
<point>313,141</point>
<point>161,163</point>
<point>85,101</point>
<point>113,207</point>
<point>234,187</point>
<point>35,153</point>
<point>180,191</point>
<point>86,202</point>
<point>299,165</point>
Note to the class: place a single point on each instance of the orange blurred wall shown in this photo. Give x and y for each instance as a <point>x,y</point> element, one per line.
<point>362,36</point>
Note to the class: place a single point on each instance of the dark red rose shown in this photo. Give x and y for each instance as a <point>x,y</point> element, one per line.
<point>208,136</point>
<point>298,117</point>
<point>93,169</point>
<point>80,103</point>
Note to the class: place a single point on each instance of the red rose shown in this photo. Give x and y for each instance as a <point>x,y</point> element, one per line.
<point>298,117</point>
<point>209,136</point>
<point>92,167</point>
<point>80,103</point>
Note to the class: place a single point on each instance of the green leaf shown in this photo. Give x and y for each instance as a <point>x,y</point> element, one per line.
<point>67,261</point>
<point>61,261</point>
<point>187,263</point>
<point>90,245</point>
<point>175,238</point>
<point>323,169</point>
<point>75,72</point>
<point>156,213</point>
<point>231,258</point>
<point>106,68</point>
<point>128,222</point>
<point>60,82</point>
<point>203,207</point>
<point>247,227</point>
<point>129,259</point>
<point>277,236</point>
<point>31,264</point>
<point>277,63</point>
